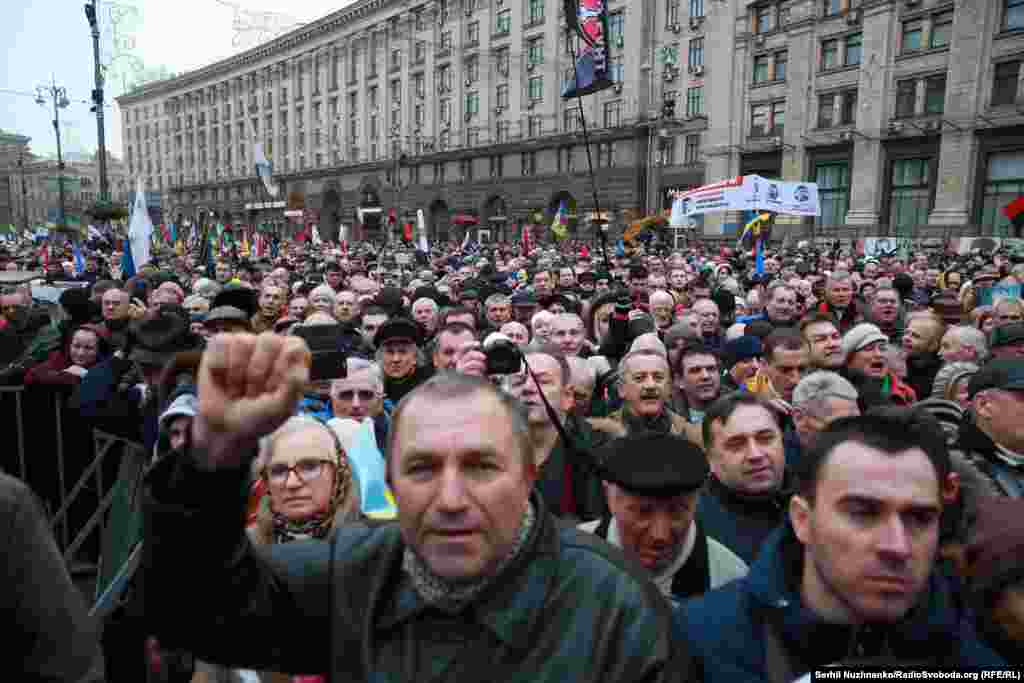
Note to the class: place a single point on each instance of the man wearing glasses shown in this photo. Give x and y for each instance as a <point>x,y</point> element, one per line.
<point>361,394</point>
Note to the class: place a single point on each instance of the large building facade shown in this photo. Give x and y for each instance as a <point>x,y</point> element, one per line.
<point>904,111</point>
<point>13,149</point>
<point>37,200</point>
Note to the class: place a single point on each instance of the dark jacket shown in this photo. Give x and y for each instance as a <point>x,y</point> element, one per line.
<point>740,523</point>
<point>844,319</point>
<point>978,449</point>
<point>108,395</point>
<point>921,371</point>
<point>727,626</point>
<point>583,499</point>
<point>346,607</point>
<point>50,635</point>
<point>397,389</point>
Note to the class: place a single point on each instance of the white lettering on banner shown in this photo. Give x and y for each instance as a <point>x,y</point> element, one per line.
<point>751,193</point>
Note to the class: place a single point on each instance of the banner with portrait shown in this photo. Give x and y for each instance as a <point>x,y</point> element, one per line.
<point>591,70</point>
<point>749,193</point>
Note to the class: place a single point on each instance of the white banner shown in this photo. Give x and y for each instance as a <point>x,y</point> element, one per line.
<point>749,193</point>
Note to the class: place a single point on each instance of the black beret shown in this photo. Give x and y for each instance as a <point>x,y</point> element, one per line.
<point>654,464</point>
<point>398,328</point>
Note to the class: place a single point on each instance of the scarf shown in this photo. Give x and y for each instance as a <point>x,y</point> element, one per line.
<point>319,525</point>
<point>453,597</point>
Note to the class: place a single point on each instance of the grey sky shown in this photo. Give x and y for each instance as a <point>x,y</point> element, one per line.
<point>51,37</point>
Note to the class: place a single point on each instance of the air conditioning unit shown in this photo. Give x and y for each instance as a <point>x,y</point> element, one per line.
<point>498,111</point>
<point>469,82</point>
<point>759,40</point>
<point>530,66</point>
<point>853,17</point>
<point>617,87</point>
<point>846,136</point>
<point>776,141</point>
<point>698,70</point>
<point>674,28</point>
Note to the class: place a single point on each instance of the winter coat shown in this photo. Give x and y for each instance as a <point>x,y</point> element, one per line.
<point>977,449</point>
<point>727,627</point>
<point>740,523</point>
<point>346,607</point>
<point>51,372</point>
<point>583,498</point>
<point>844,320</point>
<point>619,423</point>
<point>921,371</point>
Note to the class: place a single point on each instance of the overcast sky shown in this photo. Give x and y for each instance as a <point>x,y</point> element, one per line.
<point>45,38</point>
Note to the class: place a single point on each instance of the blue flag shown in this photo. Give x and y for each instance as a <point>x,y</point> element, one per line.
<point>79,259</point>
<point>759,257</point>
<point>620,248</point>
<point>127,262</point>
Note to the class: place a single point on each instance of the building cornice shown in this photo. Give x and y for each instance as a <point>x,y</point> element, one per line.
<point>225,68</point>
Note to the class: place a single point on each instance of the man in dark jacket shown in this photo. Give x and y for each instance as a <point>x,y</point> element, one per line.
<point>475,581</point>
<point>852,572</point>
<point>921,339</point>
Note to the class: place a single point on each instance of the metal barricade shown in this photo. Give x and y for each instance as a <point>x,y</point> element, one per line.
<point>19,425</point>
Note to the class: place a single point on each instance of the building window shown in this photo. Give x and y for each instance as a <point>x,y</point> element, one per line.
<point>833,180</point>
<point>906,98</point>
<point>617,70</point>
<point>911,193</point>
<point>1004,86</point>
<point>696,52</point>
<point>696,8</point>
<point>691,150</point>
<point>606,155</point>
<point>472,103</point>
<point>473,70</point>
<point>497,166</point>
<point>396,59</point>
<point>827,110</point>
<point>466,170</point>
<point>1014,17</point>
<point>445,112</point>
<point>764,18</point>
<point>942,29</point>
<point>419,85</point>
<point>912,32</point>
<point>473,32</point>
<point>617,28</point>
<point>421,20</point>
<point>667,152</point>
<point>446,40</point>
<point>444,79</point>
<point>501,96</point>
<point>565,160</point>
<point>501,132</point>
<point>535,88</point>
<point>535,11</point>
<point>571,119</point>
<point>671,12</point>
<point>762,69</point>
<point>767,120</point>
<point>535,52</point>
<point>848,108</point>
<point>831,7</point>
<point>504,22</point>
<point>1004,182</point>
<point>419,114</point>
<point>935,95</point>
<point>853,51</point>
<point>829,54</point>
<point>695,101</point>
<point>612,114</point>
<point>419,51</point>
<point>781,62</point>
<point>439,173</point>
<point>535,126</point>
<point>529,163</point>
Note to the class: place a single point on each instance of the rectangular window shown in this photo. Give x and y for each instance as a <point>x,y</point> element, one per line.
<point>473,32</point>
<point>501,132</point>
<point>760,120</point>
<point>497,166</point>
<point>396,59</point>
<point>446,40</point>
<point>565,160</point>
<point>501,61</point>
<point>696,8</point>
<point>912,32</point>
<point>935,95</point>
<point>606,155</point>
<point>833,180</point>
<point>571,119</point>
<point>617,28</point>
<point>419,115</point>
<point>829,54</point>
<point>612,114</point>
<point>421,20</point>
<point>1004,182</point>
<point>764,17</point>
<point>535,11</point>
<point>466,170</point>
<point>616,69</point>
<point>910,198</point>
<point>503,25</point>
<point>762,67</point>
<point>445,111</point>
<point>419,86</point>
<point>827,110</point>
<point>696,52</point>
<point>853,52</point>
<point>444,79</point>
<point>535,88</point>
<point>419,51</point>
<point>529,163</point>
<point>473,70</point>
<point>671,12</point>
<point>848,108</point>
<point>778,118</point>
<point>501,96</point>
<point>535,126</point>
<point>695,101</point>
<point>535,52</point>
<point>942,29</point>
<point>691,150</point>
<point>439,173</point>
<point>906,98</point>
<point>1004,86</point>
<point>472,103</point>
<point>781,62</point>
<point>1014,16</point>
<point>831,7</point>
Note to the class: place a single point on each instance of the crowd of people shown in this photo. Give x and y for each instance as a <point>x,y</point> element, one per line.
<point>482,464</point>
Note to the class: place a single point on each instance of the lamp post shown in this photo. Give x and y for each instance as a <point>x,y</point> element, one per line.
<point>97,99</point>
<point>24,190</point>
<point>59,95</point>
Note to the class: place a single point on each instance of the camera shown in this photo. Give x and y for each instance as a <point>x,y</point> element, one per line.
<point>503,358</point>
<point>329,362</point>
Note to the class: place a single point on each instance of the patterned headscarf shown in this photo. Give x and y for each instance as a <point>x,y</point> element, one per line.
<point>320,524</point>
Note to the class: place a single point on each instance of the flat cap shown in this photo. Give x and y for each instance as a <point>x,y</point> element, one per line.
<point>654,464</point>
<point>398,329</point>
<point>1002,373</point>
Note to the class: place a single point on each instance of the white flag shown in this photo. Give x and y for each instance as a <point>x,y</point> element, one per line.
<point>264,168</point>
<point>140,230</point>
<point>465,240</point>
<point>316,236</point>
<point>421,227</point>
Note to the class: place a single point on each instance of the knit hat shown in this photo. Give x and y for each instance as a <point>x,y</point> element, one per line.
<point>860,336</point>
<point>995,553</point>
<point>741,349</point>
<point>949,375</point>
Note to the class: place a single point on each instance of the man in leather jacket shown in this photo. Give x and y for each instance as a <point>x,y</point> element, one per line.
<point>475,581</point>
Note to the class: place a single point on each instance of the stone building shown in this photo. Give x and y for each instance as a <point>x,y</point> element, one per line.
<point>81,187</point>
<point>904,111</point>
<point>13,147</point>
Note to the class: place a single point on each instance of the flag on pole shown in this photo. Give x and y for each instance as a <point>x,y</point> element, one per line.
<point>316,236</point>
<point>79,259</point>
<point>465,241</point>
<point>264,167</point>
<point>527,240</point>
<point>127,261</point>
<point>140,230</point>
<point>560,226</point>
<point>421,230</point>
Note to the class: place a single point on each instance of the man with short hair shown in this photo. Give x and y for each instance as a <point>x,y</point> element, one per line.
<point>567,334</point>
<point>457,314</point>
<point>709,323</point>
<point>851,574</point>
<point>885,311</point>
<point>663,309</point>
<point>346,306</point>
<point>475,580</point>
<point>334,277</point>
<point>498,310</point>
<point>566,279</point>
<point>818,400</point>
<point>743,499</point>
<point>839,300</point>
<point>360,394</point>
<point>517,332</point>
<point>271,307</point>
<point>448,342</point>
<point>780,307</point>
<point>397,341</point>
<point>963,343</point>
<point>223,272</point>
<point>583,379</point>
<point>373,319</point>
<point>921,338</point>
<point>652,484</point>
<point>542,284</point>
<point>697,382</point>
<point>786,359</point>
<point>424,311</point>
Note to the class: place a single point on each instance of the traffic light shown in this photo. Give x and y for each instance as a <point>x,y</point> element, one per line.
<point>668,109</point>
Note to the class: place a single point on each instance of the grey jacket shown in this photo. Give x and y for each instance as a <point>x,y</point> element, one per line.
<point>570,608</point>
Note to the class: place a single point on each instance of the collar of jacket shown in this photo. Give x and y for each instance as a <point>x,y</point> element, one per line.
<point>972,440</point>
<point>767,505</point>
<point>773,584</point>
<point>923,361</point>
<point>638,423</point>
<point>511,606</point>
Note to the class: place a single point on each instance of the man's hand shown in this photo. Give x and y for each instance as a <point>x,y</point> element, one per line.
<point>136,309</point>
<point>76,370</point>
<point>248,386</point>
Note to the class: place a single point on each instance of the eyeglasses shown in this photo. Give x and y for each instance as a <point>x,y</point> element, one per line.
<point>365,395</point>
<point>306,470</point>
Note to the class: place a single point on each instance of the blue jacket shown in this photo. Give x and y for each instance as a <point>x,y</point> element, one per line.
<point>724,626</point>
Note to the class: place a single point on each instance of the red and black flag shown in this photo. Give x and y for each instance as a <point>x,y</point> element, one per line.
<point>1015,212</point>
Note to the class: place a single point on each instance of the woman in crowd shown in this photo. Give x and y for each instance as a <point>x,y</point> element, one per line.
<point>84,348</point>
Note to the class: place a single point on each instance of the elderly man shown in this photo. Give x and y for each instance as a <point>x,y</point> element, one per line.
<point>962,343</point>
<point>474,561</point>
<point>839,300</point>
<point>360,394</point>
<point>540,326</point>
<point>346,306</point>
<point>852,572</point>
<point>885,311</point>
<point>424,311</point>
<point>645,386</point>
<point>566,478</point>
<point>780,307</point>
<point>743,500</point>
<point>323,299</point>
<point>498,310</point>
<point>517,332</point>
<point>818,400</point>
<point>397,341</point>
<point>652,484</point>
<point>709,321</point>
<point>583,378</point>
<point>117,314</point>
<point>663,308</point>
<point>271,307</point>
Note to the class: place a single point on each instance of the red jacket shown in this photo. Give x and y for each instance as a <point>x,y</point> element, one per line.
<point>51,371</point>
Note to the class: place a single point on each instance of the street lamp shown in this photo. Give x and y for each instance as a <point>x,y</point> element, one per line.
<point>59,95</point>
<point>97,99</point>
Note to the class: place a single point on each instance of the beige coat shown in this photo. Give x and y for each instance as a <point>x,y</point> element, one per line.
<point>614,426</point>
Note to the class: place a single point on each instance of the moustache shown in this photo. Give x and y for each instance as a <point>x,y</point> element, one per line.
<point>650,394</point>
